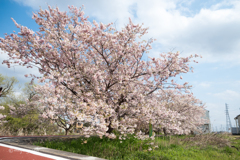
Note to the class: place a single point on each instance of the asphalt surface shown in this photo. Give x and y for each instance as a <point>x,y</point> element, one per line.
<point>8,152</point>
<point>23,145</point>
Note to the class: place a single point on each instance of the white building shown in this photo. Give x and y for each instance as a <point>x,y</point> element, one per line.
<point>206,128</point>
<point>236,130</point>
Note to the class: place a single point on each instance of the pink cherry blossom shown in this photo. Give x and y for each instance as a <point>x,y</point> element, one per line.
<point>96,75</point>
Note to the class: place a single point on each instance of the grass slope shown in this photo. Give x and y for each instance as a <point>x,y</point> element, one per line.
<point>199,147</point>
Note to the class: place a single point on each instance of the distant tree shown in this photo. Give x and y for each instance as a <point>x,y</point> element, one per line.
<point>6,85</point>
<point>6,89</point>
<point>21,113</point>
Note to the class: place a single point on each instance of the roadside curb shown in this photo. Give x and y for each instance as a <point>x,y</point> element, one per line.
<point>63,154</point>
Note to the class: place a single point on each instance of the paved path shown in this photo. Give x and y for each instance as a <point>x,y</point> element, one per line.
<point>8,152</point>
<point>21,148</point>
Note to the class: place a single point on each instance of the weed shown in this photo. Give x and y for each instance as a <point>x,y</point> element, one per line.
<point>197,147</point>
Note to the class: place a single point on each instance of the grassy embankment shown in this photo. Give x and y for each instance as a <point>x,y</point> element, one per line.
<point>199,147</point>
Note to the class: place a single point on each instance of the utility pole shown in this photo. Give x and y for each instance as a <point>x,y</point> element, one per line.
<point>228,121</point>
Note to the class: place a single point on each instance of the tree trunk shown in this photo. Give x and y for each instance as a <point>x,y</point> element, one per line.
<point>164,131</point>
<point>192,133</point>
<point>110,129</point>
<point>66,131</point>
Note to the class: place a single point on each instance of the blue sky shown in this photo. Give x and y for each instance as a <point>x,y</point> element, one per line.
<point>206,27</point>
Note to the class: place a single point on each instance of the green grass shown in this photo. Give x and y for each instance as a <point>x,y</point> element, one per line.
<point>204,147</point>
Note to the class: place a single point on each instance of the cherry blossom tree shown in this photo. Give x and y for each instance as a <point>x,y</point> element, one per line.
<point>96,73</point>
<point>60,109</point>
<point>189,107</point>
<point>2,116</point>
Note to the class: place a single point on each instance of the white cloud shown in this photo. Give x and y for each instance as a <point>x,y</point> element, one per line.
<point>227,95</point>
<point>237,83</point>
<point>212,32</point>
<point>17,93</point>
<point>205,84</point>
<point>16,71</point>
<point>103,11</point>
